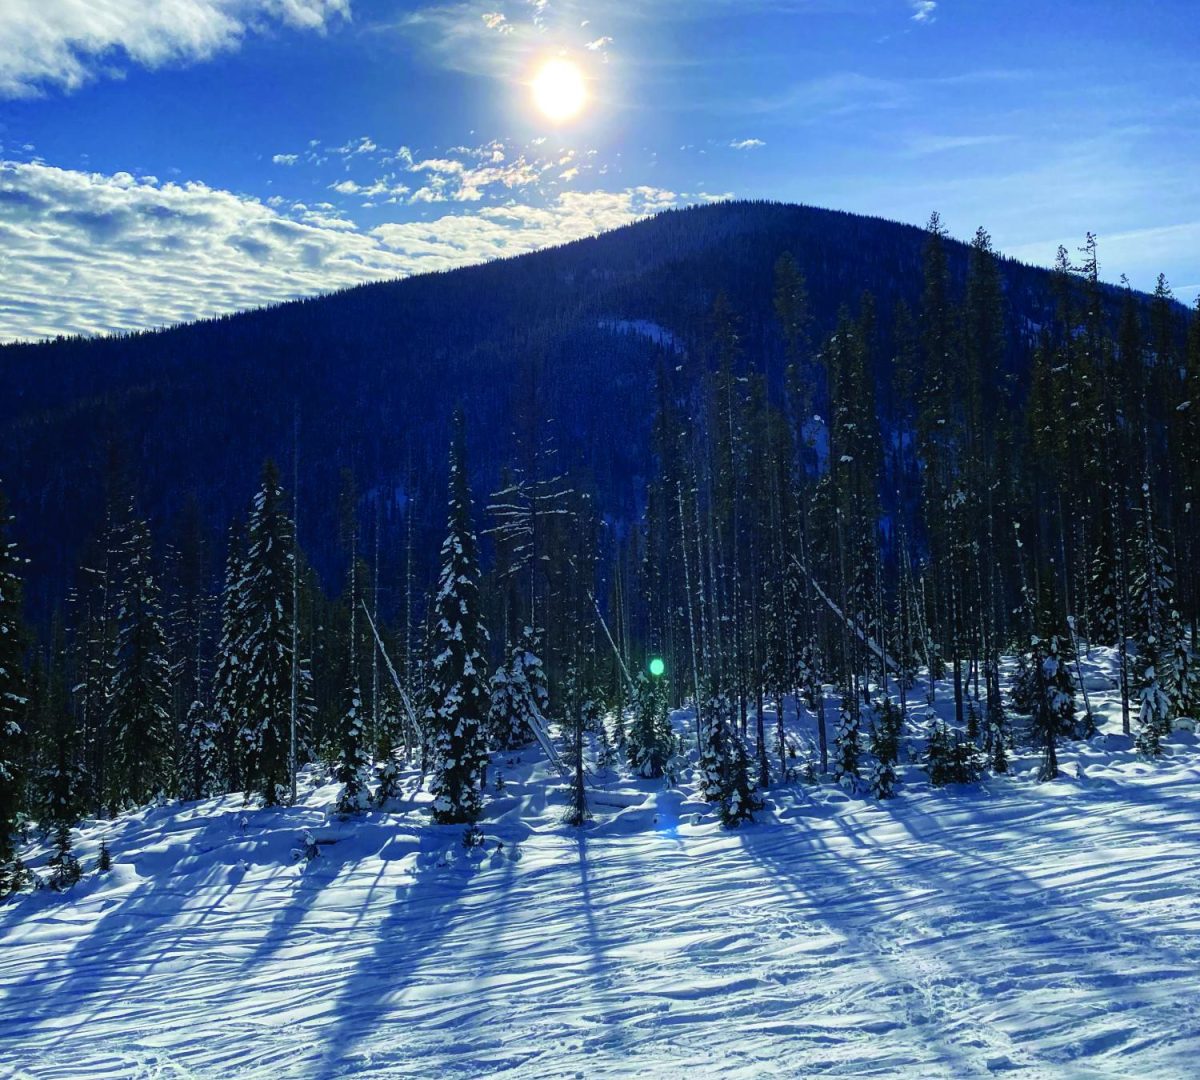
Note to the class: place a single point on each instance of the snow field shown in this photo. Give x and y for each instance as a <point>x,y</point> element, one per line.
<point>1009,927</point>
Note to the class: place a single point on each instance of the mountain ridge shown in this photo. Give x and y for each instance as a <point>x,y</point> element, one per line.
<point>374,371</point>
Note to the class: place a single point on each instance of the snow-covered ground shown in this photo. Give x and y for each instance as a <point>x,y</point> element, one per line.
<point>1039,930</point>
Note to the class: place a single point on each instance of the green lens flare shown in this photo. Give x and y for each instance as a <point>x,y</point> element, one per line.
<point>657,667</point>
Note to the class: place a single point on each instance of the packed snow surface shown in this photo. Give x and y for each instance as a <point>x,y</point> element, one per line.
<point>1009,927</point>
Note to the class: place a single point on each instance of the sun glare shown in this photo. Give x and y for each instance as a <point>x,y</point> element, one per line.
<point>558,90</point>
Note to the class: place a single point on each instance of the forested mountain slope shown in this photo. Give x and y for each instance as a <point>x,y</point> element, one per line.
<point>573,336</point>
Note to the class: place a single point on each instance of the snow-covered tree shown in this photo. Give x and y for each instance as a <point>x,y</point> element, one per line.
<point>388,739</point>
<point>229,676</point>
<point>264,641</point>
<point>1052,706</point>
<point>885,748</point>
<point>457,692</point>
<point>518,694</point>
<point>201,738</point>
<point>739,797</point>
<point>996,738</point>
<point>714,765</point>
<point>353,765</point>
<point>1153,677</point>
<point>1154,712</point>
<point>846,749</point>
<point>650,742</point>
<point>142,740</point>
<point>12,697</point>
<point>1185,674</point>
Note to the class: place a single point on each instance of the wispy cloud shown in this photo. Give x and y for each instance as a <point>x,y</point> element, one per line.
<point>747,144</point>
<point>920,145</point>
<point>832,95</point>
<point>284,159</point>
<point>90,253</point>
<point>924,10</point>
<point>63,44</point>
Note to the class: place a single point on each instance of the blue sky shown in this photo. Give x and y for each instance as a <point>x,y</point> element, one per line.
<point>166,160</point>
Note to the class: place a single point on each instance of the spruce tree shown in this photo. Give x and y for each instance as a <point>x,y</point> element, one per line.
<point>739,796</point>
<point>353,765</point>
<point>457,691</point>
<point>846,749</point>
<point>650,743</point>
<point>229,675</point>
<point>714,766</point>
<point>1153,676</point>
<point>1053,699</point>
<point>13,698</point>
<point>518,694</point>
<point>1154,712</point>
<point>885,748</point>
<point>1185,674</point>
<point>142,742</point>
<point>67,870</point>
<point>263,614</point>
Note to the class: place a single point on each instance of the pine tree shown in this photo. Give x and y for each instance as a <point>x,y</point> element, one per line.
<point>1185,674</point>
<point>229,677</point>
<point>714,766</point>
<point>939,756</point>
<point>1053,699</point>
<point>846,749</point>
<point>142,741</point>
<point>13,699</point>
<point>519,697</point>
<point>739,797</point>
<point>263,614</point>
<point>353,765</point>
<point>580,717</point>
<point>457,692</point>
<point>885,748</point>
<point>1152,669</point>
<point>1155,706</point>
<point>199,777</point>
<point>650,743</point>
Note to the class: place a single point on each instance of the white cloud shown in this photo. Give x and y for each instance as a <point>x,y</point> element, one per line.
<point>747,144</point>
<point>445,166</point>
<point>65,43</point>
<point>89,253</point>
<point>923,10</point>
<point>285,159</point>
<point>599,43</point>
<point>495,20</point>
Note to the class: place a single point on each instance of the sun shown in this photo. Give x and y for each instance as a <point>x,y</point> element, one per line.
<point>558,90</point>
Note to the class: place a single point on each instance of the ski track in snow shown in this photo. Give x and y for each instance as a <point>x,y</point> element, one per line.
<point>1007,928</point>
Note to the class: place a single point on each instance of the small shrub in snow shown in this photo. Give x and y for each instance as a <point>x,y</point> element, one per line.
<point>67,870</point>
<point>306,847</point>
<point>951,759</point>
<point>103,859</point>
<point>472,837</point>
